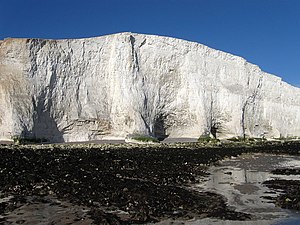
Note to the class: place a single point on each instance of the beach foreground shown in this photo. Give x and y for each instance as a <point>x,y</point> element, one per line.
<point>118,184</point>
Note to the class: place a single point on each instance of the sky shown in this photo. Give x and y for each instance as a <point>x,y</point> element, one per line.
<point>264,32</point>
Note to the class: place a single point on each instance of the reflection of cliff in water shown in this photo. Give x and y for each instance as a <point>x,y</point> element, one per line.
<point>240,181</point>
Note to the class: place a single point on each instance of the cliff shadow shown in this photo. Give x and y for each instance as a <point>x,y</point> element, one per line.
<point>44,125</point>
<point>160,128</point>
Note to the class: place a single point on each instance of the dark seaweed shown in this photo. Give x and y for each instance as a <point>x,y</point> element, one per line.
<point>149,183</point>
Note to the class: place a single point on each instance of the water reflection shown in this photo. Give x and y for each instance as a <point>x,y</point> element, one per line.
<point>240,181</point>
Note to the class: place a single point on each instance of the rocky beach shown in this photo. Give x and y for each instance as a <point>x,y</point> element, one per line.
<point>123,183</point>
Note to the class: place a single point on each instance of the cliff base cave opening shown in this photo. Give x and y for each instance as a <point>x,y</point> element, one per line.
<point>159,128</point>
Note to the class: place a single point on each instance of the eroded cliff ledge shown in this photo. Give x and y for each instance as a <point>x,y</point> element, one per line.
<point>115,85</point>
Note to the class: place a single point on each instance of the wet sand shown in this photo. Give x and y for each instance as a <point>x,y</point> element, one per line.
<point>245,182</point>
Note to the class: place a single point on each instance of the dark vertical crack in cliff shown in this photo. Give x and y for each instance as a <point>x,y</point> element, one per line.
<point>249,100</point>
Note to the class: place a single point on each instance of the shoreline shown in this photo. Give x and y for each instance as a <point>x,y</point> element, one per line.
<point>166,142</point>
<point>275,146</point>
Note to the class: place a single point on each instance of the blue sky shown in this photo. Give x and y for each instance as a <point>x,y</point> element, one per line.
<point>264,32</point>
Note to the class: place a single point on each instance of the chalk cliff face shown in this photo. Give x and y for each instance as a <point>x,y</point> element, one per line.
<point>116,85</point>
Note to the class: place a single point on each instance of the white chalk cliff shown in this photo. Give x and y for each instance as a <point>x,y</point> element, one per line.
<point>121,84</point>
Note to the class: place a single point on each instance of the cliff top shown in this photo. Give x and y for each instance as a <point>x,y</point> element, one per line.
<point>165,39</point>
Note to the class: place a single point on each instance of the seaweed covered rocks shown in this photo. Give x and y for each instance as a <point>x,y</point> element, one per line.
<point>290,198</point>
<point>117,186</point>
